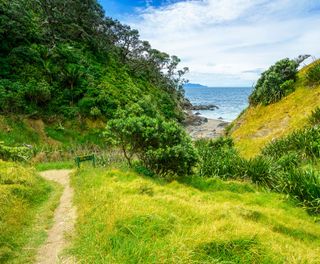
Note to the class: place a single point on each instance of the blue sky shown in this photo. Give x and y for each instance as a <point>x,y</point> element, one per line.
<point>224,42</point>
<point>123,8</point>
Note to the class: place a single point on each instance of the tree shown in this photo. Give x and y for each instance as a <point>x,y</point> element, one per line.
<point>274,82</point>
<point>71,75</point>
<point>162,146</point>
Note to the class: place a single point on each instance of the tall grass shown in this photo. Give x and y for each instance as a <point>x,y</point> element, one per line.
<point>279,168</point>
<point>304,186</point>
<point>26,204</point>
<point>218,158</point>
<point>314,119</point>
<point>129,218</point>
<point>306,143</point>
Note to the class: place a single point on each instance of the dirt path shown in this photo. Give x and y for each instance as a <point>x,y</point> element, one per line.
<point>64,219</point>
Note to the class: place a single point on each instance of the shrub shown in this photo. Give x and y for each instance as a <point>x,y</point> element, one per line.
<point>306,143</point>
<point>162,146</point>
<point>262,171</point>
<point>304,186</point>
<point>38,92</point>
<point>14,153</point>
<point>276,169</point>
<point>275,83</point>
<point>218,158</point>
<point>287,87</point>
<point>95,112</point>
<point>313,74</point>
<point>288,154</point>
<point>314,119</point>
<point>289,160</point>
<point>11,96</point>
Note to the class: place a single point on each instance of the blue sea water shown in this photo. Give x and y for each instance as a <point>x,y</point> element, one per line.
<point>230,100</point>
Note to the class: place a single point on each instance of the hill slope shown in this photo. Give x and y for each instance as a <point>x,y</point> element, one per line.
<point>76,63</point>
<point>259,125</point>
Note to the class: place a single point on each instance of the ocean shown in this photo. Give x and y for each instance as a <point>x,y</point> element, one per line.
<point>230,100</point>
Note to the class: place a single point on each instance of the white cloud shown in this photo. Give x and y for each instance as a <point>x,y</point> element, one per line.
<point>228,42</point>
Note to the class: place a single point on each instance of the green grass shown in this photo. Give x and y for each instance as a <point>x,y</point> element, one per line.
<point>59,165</point>
<point>124,217</point>
<point>15,131</point>
<point>74,135</point>
<point>27,204</point>
<point>259,125</point>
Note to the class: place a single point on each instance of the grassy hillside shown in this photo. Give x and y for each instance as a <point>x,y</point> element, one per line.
<point>17,130</point>
<point>260,124</point>
<point>124,217</point>
<point>27,204</point>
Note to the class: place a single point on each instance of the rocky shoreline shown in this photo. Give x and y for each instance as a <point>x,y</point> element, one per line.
<point>200,127</point>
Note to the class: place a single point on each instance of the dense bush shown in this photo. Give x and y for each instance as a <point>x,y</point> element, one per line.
<point>162,146</point>
<point>276,82</point>
<point>76,62</point>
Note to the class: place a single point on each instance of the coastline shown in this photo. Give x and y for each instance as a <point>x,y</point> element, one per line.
<point>208,129</point>
<point>201,127</point>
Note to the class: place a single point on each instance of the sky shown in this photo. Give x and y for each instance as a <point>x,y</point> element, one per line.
<point>224,42</point>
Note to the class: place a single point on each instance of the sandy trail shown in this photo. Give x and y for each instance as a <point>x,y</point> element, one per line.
<point>64,219</point>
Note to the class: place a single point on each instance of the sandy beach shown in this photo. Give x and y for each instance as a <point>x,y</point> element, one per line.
<point>213,128</point>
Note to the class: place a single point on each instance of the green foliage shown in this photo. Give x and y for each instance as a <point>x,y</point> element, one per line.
<point>304,186</point>
<point>313,74</point>
<point>218,158</point>
<point>290,154</point>
<point>15,153</point>
<point>74,61</point>
<point>314,119</point>
<point>262,171</point>
<point>275,83</point>
<point>305,143</point>
<point>279,168</point>
<point>162,146</point>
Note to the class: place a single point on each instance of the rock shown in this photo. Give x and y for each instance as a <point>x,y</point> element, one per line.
<point>194,120</point>
<point>220,118</point>
<point>223,124</point>
<point>186,104</point>
<point>204,107</point>
<point>197,113</point>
